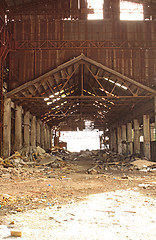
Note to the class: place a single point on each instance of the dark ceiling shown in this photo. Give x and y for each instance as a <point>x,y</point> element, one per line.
<point>17,3</point>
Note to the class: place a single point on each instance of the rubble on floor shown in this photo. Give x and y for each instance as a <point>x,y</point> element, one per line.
<point>38,160</point>
<point>24,164</point>
<point>108,160</point>
<point>57,166</point>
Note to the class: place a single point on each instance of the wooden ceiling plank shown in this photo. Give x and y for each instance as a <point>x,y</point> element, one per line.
<point>86,60</point>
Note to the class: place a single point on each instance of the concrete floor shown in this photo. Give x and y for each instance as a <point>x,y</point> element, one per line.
<point>118,215</point>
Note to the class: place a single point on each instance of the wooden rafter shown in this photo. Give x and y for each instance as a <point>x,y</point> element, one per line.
<point>79,88</point>
<point>86,60</point>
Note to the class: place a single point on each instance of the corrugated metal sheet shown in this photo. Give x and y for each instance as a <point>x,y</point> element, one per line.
<point>134,56</point>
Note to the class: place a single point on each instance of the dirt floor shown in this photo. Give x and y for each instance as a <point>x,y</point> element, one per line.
<point>64,185</point>
<point>68,203</point>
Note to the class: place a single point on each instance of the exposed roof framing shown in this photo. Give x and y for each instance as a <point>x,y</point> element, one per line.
<point>81,89</point>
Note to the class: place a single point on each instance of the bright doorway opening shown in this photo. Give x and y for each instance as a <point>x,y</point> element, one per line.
<point>81,140</point>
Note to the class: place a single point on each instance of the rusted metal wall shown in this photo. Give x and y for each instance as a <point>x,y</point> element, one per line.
<point>129,47</point>
<point>1,105</point>
<point>2,11</point>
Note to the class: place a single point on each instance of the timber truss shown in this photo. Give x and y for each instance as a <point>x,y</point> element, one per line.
<point>83,89</point>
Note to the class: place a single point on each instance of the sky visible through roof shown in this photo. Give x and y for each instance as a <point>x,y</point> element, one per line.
<point>129,11</point>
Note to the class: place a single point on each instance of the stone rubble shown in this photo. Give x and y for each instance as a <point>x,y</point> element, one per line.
<point>24,164</point>
<point>108,160</point>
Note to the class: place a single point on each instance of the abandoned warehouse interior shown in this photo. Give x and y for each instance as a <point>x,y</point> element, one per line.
<point>59,69</point>
<point>78,66</point>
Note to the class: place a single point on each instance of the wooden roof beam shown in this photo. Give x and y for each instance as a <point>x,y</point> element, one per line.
<point>78,60</point>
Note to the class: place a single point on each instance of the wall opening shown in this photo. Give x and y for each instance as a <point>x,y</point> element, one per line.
<point>98,9</point>
<point>81,140</point>
<point>128,10</point>
<point>131,11</point>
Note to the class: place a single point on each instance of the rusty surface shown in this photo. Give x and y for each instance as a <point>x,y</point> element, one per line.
<point>82,89</point>
<point>43,45</point>
<point>1,106</point>
<point>45,40</point>
<point>7,44</point>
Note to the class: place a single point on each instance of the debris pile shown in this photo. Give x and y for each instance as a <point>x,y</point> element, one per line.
<point>108,160</point>
<point>19,164</point>
<point>25,164</point>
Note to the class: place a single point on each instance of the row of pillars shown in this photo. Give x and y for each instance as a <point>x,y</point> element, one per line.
<point>123,141</point>
<point>35,133</point>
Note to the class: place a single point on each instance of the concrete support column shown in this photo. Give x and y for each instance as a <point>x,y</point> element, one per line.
<point>33,132</point>
<point>18,128</point>
<point>152,132</point>
<point>38,133</point>
<point>48,136</point>
<point>155,112</point>
<point>129,139</point>
<point>146,131</point>
<point>7,128</point>
<point>47,128</point>
<point>42,135</point>
<point>136,136</point>
<point>124,138</point>
<point>27,130</point>
<point>111,140</point>
<point>45,135</point>
<point>119,140</point>
<point>115,139</point>
<point>51,135</point>
<point>56,139</point>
